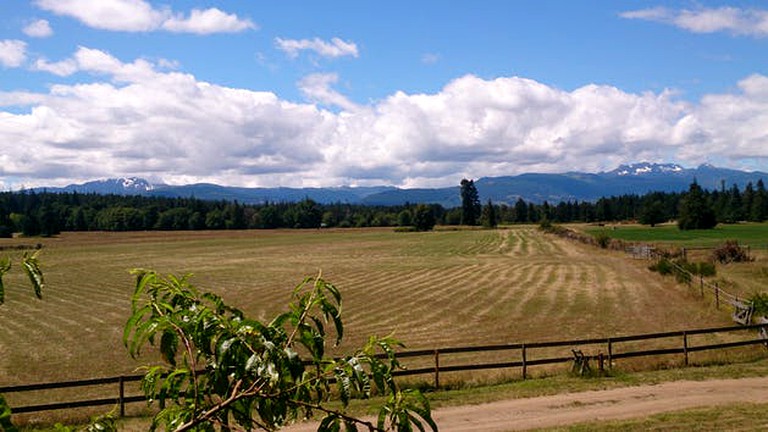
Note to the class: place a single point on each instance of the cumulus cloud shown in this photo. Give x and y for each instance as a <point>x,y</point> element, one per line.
<point>13,53</point>
<point>317,88</point>
<point>335,48</point>
<point>207,21</point>
<point>141,16</point>
<point>39,29</point>
<point>729,126</point>
<point>737,21</point>
<point>99,62</point>
<point>136,118</point>
<point>60,68</point>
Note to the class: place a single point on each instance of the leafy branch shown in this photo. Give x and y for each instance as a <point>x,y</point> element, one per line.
<point>31,266</point>
<point>221,368</point>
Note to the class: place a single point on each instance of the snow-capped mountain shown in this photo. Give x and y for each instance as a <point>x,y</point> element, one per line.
<point>117,186</point>
<point>646,168</point>
<point>636,178</point>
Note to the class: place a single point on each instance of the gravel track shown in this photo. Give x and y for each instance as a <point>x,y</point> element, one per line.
<point>572,408</point>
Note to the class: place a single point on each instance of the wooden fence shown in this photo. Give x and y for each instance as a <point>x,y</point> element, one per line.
<point>520,355</point>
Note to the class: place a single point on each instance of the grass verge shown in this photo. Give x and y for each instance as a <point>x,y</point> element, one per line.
<point>741,417</point>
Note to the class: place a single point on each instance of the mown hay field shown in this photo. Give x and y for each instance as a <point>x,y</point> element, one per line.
<point>435,289</point>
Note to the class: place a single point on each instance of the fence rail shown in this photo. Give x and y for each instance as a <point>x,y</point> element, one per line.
<point>520,357</point>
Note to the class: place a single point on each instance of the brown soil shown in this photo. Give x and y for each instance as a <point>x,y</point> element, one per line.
<point>572,408</point>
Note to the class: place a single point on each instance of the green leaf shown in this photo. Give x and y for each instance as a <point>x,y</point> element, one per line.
<point>5,265</point>
<point>32,268</point>
<point>350,426</point>
<point>330,423</point>
<point>253,362</point>
<point>169,343</point>
<point>344,385</point>
<point>5,417</point>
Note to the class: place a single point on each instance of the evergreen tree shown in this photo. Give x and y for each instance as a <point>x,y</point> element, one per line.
<point>521,211</point>
<point>734,209</point>
<point>695,211</point>
<point>488,217</point>
<point>470,203</point>
<point>652,213</point>
<point>747,198</point>
<point>533,214</point>
<point>758,212</point>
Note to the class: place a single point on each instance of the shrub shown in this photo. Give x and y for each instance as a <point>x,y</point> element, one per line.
<point>603,240</point>
<point>706,269</point>
<point>682,269</point>
<point>729,252</point>
<point>663,267</point>
<point>760,303</point>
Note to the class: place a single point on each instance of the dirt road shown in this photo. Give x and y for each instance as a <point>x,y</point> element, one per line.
<point>615,404</point>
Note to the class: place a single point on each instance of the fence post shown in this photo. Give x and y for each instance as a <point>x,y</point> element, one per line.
<point>701,285</point>
<point>437,369</point>
<point>121,397</point>
<point>610,354</point>
<point>717,296</point>
<point>525,364</point>
<point>685,347</point>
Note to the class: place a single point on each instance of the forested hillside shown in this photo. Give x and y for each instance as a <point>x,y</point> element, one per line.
<point>41,213</point>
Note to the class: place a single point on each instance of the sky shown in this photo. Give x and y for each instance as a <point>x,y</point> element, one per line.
<point>360,93</point>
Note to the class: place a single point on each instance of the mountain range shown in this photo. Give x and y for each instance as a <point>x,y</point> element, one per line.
<point>639,178</point>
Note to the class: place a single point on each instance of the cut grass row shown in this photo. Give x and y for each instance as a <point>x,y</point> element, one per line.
<point>437,289</point>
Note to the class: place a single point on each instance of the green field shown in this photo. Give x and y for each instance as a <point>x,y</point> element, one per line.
<point>753,234</point>
<point>435,289</point>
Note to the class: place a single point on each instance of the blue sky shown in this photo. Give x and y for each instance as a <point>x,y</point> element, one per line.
<point>417,93</point>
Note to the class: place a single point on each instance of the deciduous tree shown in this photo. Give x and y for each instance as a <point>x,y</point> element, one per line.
<point>423,218</point>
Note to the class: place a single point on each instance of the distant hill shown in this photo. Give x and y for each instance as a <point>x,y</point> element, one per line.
<point>638,178</point>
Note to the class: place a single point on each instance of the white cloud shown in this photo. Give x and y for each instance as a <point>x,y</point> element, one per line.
<point>737,21</point>
<point>61,68</point>
<point>729,126</point>
<point>13,53</point>
<point>39,28</point>
<point>141,16</point>
<point>335,48</point>
<point>207,21</point>
<point>100,62</point>
<point>137,119</point>
<point>317,88</point>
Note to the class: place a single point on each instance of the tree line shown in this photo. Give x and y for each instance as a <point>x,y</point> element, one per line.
<point>43,213</point>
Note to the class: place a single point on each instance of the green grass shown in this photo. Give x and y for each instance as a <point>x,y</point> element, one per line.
<point>753,234</point>
<point>735,417</point>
